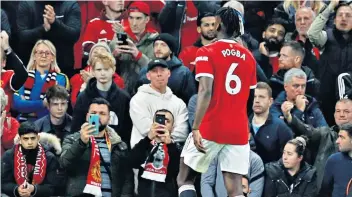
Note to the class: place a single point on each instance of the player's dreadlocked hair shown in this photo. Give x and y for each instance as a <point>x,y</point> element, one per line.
<point>230,20</point>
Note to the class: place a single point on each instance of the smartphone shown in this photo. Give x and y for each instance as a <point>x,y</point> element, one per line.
<point>94,120</point>
<point>161,120</point>
<point>122,37</point>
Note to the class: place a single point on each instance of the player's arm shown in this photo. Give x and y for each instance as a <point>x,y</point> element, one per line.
<point>204,97</point>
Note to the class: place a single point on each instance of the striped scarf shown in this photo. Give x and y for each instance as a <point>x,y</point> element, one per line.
<point>50,80</point>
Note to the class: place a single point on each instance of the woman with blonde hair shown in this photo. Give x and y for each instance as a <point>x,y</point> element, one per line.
<point>43,72</point>
<point>287,10</point>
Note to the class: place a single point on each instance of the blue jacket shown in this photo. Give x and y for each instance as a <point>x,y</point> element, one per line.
<point>271,138</point>
<point>312,115</point>
<point>181,81</point>
<point>35,104</point>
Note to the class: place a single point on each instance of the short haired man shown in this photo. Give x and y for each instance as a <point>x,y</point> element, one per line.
<point>304,17</point>
<point>337,45</point>
<point>57,122</point>
<point>102,28</point>
<point>154,96</point>
<point>270,133</point>
<point>268,53</point>
<point>322,139</point>
<point>102,85</point>
<point>139,50</point>
<point>305,107</point>
<point>207,31</point>
<point>181,81</point>
<point>291,56</point>
<point>157,151</point>
<point>28,169</point>
<point>338,176</point>
<point>97,164</point>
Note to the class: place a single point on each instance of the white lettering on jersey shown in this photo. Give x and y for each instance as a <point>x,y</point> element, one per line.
<point>233,52</point>
<point>202,58</point>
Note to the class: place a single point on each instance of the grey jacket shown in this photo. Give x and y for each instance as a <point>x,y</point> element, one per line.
<point>212,182</point>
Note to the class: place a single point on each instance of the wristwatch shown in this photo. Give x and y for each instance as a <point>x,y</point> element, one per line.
<point>8,51</point>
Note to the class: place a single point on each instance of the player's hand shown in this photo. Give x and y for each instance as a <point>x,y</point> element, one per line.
<point>86,130</point>
<point>86,75</point>
<point>165,137</point>
<point>153,132</point>
<point>333,4</point>
<point>263,50</point>
<point>197,137</point>
<point>301,102</point>
<point>4,40</point>
<point>49,14</point>
<point>117,27</point>
<point>286,108</point>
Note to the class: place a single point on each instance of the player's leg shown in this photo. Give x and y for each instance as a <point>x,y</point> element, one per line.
<point>185,180</point>
<point>234,162</point>
<point>233,184</point>
<point>192,163</point>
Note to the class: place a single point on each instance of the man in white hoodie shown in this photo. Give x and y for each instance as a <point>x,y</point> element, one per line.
<point>152,97</point>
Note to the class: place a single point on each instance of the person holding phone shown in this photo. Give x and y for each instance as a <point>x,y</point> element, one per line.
<point>150,151</point>
<point>96,157</point>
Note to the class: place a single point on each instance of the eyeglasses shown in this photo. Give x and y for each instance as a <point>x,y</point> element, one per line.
<point>41,53</point>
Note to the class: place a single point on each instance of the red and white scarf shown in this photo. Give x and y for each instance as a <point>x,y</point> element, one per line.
<point>50,81</point>
<point>155,167</point>
<point>93,183</point>
<point>20,169</point>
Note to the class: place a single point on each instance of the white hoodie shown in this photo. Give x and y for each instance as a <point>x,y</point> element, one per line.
<point>146,102</point>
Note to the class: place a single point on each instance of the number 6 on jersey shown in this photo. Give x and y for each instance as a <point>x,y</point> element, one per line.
<point>232,77</point>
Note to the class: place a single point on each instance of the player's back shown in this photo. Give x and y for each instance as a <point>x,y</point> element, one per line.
<point>234,71</point>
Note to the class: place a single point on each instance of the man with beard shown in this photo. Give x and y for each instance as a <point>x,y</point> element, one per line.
<point>267,55</point>
<point>181,81</point>
<point>337,45</point>
<point>27,169</point>
<point>206,28</point>
<point>96,161</point>
<point>102,28</point>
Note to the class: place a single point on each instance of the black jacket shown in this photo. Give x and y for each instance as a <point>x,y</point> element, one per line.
<point>5,25</point>
<point>75,159</point>
<point>149,188</point>
<point>172,16</point>
<point>14,63</point>
<point>336,59</point>
<point>64,32</point>
<point>44,125</point>
<point>181,81</point>
<point>119,101</point>
<point>276,182</point>
<point>313,84</point>
<point>9,185</point>
<point>271,138</point>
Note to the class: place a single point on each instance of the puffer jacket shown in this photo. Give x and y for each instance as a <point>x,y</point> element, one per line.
<point>313,84</point>
<point>75,159</point>
<point>276,184</point>
<point>181,81</point>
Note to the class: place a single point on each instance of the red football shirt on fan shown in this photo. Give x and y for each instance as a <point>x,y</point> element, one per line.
<point>234,71</point>
<point>5,82</point>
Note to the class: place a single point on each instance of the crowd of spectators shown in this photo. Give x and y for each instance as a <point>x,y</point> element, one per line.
<point>132,62</point>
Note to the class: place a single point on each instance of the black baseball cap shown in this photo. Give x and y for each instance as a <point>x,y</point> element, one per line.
<point>157,62</point>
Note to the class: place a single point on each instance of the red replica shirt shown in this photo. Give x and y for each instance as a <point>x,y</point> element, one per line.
<point>5,82</point>
<point>233,69</point>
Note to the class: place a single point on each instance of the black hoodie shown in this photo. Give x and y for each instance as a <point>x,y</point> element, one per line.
<point>120,104</point>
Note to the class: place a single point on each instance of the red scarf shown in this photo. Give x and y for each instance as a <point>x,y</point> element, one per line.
<point>50,81</point>
<point>93,184</point>
<point>155,169</point>
<point>20,169</point>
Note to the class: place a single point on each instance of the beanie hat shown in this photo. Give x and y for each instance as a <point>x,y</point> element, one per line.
<point>139,6</point>
<point>99,44</point>
<point>169,40</point>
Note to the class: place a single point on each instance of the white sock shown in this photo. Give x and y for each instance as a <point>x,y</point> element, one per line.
<point>186,187</point>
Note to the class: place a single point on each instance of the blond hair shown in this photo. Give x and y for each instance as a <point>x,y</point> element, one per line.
<point>53,66</point>
<point>104,58</point>
<point>316,5</point>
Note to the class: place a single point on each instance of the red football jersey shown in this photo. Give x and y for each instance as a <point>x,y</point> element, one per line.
<point>5,82</point>
<point>233,69</point>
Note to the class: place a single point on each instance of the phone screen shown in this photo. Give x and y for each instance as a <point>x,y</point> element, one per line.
<point>122,37</point>
<point>94,120</point>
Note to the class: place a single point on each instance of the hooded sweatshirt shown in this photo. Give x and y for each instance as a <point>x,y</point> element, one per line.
<point>143,107</point>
